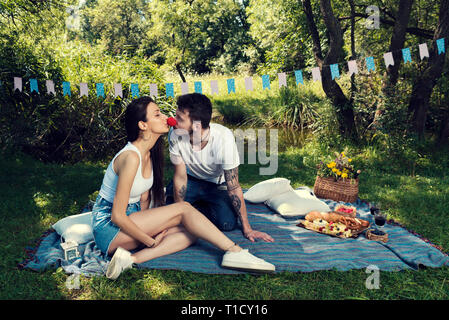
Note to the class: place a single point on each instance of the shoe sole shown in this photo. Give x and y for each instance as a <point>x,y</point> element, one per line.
<point>249,268</point>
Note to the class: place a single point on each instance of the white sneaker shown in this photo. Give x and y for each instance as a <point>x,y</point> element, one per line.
<point>120,262</point>
<point>245,260</point>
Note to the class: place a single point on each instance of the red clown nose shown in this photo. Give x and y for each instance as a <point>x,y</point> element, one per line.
<point>171,122</point>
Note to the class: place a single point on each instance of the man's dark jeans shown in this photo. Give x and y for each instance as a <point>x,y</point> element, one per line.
<point>210,200</point>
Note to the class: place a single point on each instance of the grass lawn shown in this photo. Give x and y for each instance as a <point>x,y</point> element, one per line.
<point>35,195</point>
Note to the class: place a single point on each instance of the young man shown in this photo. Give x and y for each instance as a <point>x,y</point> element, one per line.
<point>206,164</point>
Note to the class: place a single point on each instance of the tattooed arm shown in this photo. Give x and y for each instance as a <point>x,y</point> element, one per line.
<point>236,194</point>
<point>180,182</point>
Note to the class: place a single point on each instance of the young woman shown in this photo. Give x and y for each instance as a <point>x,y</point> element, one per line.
<point>122,219</point>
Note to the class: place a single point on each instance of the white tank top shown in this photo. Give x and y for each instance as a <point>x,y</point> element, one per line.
<point>140,184</point>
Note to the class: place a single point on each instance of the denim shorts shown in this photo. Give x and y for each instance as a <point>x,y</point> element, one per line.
<point>104,229</point>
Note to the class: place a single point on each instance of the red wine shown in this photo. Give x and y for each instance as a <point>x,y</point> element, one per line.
<point>379,220</point>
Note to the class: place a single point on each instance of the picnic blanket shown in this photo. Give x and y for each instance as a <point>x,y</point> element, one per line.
<point>295,249</point>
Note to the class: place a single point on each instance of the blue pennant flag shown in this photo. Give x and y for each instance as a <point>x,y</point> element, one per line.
<point>198,87</point>
<point>370,64</point>
<point>440,45</point>
<point>298,77</point>
<point>100,90</point>
<point>33,85</point>
<point>334,71</point>
<point>231,85</point>
<point>169,90</point>
<point>134,90</point>
<point>406,55</point>
<point>66,88</point>
<point>266,81</point>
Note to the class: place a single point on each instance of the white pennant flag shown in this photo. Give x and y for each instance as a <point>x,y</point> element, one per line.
<point>83,89</point>
<point>118,92</point>
<point>282,79</point>
<point>153,89</point>
<point>423,51</point>
<point>249,84</point>
<point>352,65</point>
<point>50,87</point>
<point>316,75</point>
<point>214,86</point>
<point>388,57</point>
<point>18,83</point>
<point>184,88</point>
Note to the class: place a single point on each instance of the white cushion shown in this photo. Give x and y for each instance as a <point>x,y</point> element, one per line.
<point>296,203</point>
<point>264,190</point>
<point>76,228</point>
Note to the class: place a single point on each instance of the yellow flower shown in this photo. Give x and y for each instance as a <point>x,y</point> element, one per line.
<point>331,164</point>
<point>344,175</point>
<point>334,169</point>
<point>349,159</point>
<point>338,172</point>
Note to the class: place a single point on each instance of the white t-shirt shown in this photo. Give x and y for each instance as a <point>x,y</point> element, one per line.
<point>220,153</point>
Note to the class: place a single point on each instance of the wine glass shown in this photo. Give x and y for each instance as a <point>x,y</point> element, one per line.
<point>379,220</point>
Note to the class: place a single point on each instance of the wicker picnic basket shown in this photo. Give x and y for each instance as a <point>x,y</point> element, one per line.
<point>346,190</point>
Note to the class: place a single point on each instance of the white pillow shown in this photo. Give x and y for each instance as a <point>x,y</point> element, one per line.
<point>264,190</point>
<point>76,228</point>
<point>296,203</point>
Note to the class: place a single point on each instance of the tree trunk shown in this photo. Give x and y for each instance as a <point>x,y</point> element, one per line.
<point>396,44</point>
<point>178,68</point>
<point>444,133</point>
<point>422,89</point>
<point>333,91</point>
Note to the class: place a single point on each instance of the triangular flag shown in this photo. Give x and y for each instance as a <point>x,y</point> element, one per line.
<point>184,88</point>
<point>249,84</point>
<point>282,79</point>
<point>266,81</point>
<point>231,85</point>
<point>214,86</point>
<point>50,87</point>
<point>440,45</point>
<point>153,90</point>
<point>17,84</point>
<point>118,91</point>
<point>100,90</point>
<point>66,89</point>
<point>423,51</point>
<point>406,55</point>
<point>298,77</point>
<point>316,75</point>
<point>389,60</point>
<point>352,65</point>
<point>83,89</point>
<point>169,90</point>
<point>33,85</point>
<point>134,90</point>
<point>198,87</point>
<point>370,64</point>
<point>334,71</point>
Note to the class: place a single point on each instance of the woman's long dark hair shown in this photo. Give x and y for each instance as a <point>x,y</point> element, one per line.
<point>135,112</point>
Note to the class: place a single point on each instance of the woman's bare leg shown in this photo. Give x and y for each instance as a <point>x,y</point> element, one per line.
<point>155,220</point>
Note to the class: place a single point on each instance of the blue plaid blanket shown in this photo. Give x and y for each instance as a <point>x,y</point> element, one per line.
<point>295,249</point>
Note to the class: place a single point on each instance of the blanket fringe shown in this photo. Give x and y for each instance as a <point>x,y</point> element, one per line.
<point>30,251</point>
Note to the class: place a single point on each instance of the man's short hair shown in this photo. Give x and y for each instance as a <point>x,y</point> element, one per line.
<point>198,105</point>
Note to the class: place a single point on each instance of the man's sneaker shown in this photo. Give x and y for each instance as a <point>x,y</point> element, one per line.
<point>120,262</point>
<point>245,260</point>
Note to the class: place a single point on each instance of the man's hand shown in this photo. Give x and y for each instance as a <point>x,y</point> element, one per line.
<point>254,234</point>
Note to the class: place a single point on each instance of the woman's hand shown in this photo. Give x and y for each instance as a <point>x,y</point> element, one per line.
<point>159,238</point>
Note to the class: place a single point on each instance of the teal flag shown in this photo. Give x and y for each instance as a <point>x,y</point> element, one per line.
<point>198,87</point>
<point>298,77</point>
<point>134,90</point>
<point>370,64</point>
<point>266,81</point>
<point>440,45</point>
<point>231,85</point>
<point>169,90</point>
<point>100,90</point>
<point>33,85</point>
<point>406,55</point>
<point>334,71</point>
<point>66,88</point>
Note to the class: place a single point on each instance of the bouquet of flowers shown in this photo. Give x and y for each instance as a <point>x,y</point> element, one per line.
<point>339,168</point>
